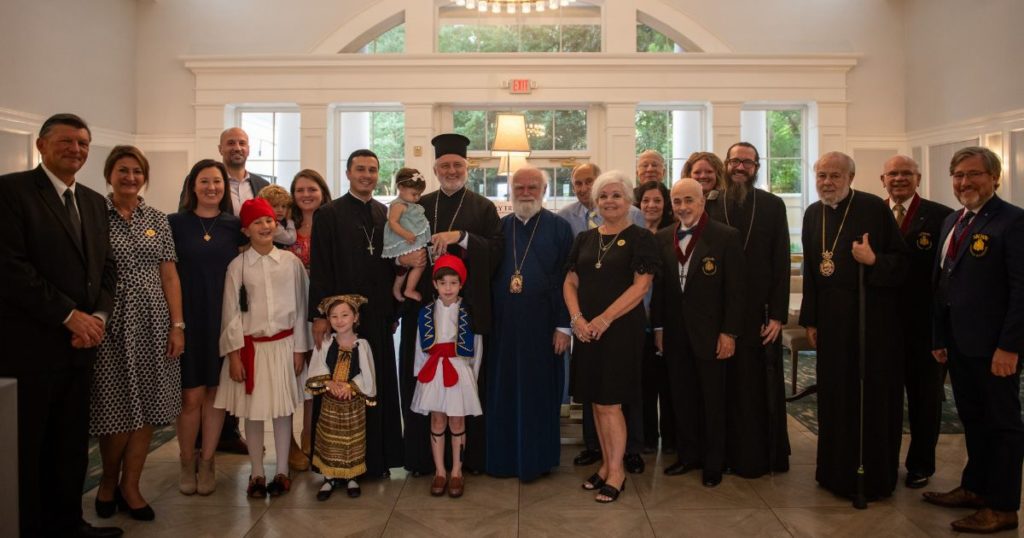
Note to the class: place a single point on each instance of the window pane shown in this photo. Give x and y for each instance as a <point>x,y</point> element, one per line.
<point>273,144</point>
<point>654,131</point>
<point>540,130</point>
<point>383,132</point>
<point>581,38</point>
<point>390,42</point>
<point>786,175</point>
<point>470,123</point>
<point>561,183</point>
<point>570,130</point>
<point>673,133</point>
<point>650,40</point>
<point>453,38</point>
<point>784,136</point>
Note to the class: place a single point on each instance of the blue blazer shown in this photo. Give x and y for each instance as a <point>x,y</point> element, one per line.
<point>983,307</point>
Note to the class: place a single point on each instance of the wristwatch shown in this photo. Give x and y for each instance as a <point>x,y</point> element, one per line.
<point>178,325</point>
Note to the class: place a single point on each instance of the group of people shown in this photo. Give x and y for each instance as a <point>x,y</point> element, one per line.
<point>670,302</point>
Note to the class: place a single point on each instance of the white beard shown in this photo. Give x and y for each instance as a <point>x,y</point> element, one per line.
<point>526,210</point>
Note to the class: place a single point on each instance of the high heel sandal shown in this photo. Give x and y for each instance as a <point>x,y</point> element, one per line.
<point>611,492</point>
<point>594,482</point>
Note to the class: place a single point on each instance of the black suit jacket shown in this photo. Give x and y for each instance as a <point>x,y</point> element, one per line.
<point>46,273</point>
<point>923,236</point>
<point>982,307</point>
<point>712,302</point>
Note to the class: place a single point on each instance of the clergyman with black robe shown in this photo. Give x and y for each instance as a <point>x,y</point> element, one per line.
<point>847,228</point>
<point>756,439</point>
<point>464,224</point>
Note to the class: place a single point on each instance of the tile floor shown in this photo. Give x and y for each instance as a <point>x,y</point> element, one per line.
<point>652,504</point>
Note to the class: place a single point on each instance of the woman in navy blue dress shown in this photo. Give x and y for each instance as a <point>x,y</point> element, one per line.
<point>206,236</point>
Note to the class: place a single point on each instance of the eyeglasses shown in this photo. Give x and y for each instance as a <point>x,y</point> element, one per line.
<point>747,163</point>
<point>900,173</point>
<point>972,175</point>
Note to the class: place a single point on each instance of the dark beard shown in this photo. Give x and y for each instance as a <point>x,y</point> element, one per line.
<point>737,192</point>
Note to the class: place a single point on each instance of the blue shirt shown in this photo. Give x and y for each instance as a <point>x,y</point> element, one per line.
<point>576,215</point>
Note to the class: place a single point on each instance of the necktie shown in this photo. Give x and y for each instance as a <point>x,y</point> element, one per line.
<point>958,232</point>
<point>76,221</point>
<point>591,219</point>
<point>901,213</point>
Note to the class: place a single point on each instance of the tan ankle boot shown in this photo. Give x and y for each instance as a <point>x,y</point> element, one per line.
<point>297,460</point>
<point>187,478</point>
<point>207,479</point>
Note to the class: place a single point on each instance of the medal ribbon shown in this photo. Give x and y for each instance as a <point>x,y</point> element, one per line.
<point>911,211</point>
<point>683,257</point>
<point>249,354</point>
<point>956,239</point>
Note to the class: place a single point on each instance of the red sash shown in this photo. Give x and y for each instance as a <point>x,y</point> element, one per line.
<point>909,215</point>
<point>249,354</point>
<point>697,230</point>
<point>440,353</point>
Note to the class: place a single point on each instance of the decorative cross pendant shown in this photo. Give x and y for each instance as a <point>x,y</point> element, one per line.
<point>369,248</point>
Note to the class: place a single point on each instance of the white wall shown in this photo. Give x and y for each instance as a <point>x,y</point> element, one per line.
<point>70,56</point>
<point>966,60</point>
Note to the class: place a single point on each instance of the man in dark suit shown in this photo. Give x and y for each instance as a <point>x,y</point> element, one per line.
<point>919,221</point>
<point>59,277</point>
<point>696,313</point>
<point>979,333</point>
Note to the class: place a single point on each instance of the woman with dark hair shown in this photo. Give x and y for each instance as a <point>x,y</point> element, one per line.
<point>652,197</point>
<point>207,235</point>
<point>137,374</point>
<point>309,192</point>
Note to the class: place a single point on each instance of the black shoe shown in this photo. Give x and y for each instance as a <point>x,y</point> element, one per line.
<point>105,509</point>
<point>611,492</point>
<point>634,463</point>
<point>728,470</point>
<point>145,513</point>
<point>353,489</point>
<point>587,457</point>
<point>325,490</point>
<point>85,530</point>
<point>914,481</point>
<point>712,480</point>
<point>681,467</point>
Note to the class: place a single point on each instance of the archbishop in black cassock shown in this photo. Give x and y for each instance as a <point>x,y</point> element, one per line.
<point>341,262</point>
<point>453,208</point>
<point>830,309</point>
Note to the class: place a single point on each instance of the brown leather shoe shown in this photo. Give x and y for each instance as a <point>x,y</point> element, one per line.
<point>456,486</point>
<point>957,498</point>
<point>438,486</point>
<point>986,521</point>
<point>297,459</point>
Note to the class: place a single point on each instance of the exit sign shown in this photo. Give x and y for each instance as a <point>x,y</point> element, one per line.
<point>519,85</point>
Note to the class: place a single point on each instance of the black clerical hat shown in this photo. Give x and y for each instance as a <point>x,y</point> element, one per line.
<point>450,143</point>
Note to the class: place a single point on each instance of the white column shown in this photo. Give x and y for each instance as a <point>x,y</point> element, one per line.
<point>313,137</point>
<point>619,26</point>
<point>209,125</point>
<point>419,27</point>
<point>620,137</point>
<point>419,129</point>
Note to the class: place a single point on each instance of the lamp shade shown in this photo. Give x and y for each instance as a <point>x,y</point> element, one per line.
<point>510,134</point>
<point>512,161</point>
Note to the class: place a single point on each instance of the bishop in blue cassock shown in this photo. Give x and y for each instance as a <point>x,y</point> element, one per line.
<point>524,361</point>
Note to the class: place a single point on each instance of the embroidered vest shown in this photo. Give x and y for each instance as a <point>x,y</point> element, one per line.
<point>464,340</point>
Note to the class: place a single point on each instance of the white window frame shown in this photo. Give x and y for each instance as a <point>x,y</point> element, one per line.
<point>705,127</point>
<point>234,119</point>
<point>338,180</point>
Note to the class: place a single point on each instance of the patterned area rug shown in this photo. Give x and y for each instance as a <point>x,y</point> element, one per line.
<point>806,409</point>
<point>161,435</point>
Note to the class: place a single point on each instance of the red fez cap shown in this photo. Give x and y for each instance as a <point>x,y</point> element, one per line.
<point>452,262</point>
<point>254,209</point>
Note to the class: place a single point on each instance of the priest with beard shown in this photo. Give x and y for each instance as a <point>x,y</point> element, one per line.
<point>464,224</point>
<point>757,442</point>
<point>345,257</point>
<point>531,332</point>
<point>842,231</point>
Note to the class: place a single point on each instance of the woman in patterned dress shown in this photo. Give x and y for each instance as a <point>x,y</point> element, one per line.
<point>309,192</point>
<point>137,375</point>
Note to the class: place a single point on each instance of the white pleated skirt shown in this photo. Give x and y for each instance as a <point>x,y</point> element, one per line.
<point>275,392</point>
<point>459,400</point>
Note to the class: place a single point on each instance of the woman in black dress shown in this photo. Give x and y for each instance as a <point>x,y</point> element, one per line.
<point>207,236</point>
<point>610,270</point>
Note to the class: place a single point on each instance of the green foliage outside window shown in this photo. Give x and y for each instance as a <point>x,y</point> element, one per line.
<point>519,38</point>
<point>785,154</point>
<point>650,40</point>
<point>654,131</point>
<point>390,42</point>
<point>387,135</point>
<point>547,130</point>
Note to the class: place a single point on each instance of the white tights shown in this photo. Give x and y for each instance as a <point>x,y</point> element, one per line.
<point>282,442</point>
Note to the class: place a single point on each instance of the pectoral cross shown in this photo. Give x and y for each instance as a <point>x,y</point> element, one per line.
<point>369,248</point>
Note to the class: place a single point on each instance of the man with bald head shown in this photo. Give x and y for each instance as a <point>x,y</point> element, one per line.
<point>920,222</point>
<point>650,166</point>
<point>531,332</point>
<point>242,184</point>
<point>696,312</point>
<point>843,232</point>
